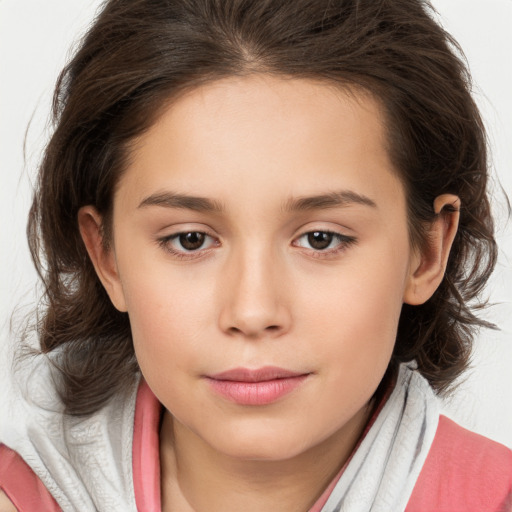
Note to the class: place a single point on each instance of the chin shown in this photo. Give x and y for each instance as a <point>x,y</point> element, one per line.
<point>270,446</point>
<point>269,453</point>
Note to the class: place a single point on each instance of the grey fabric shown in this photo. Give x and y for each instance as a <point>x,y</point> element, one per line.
<point>86,463</point>
<point>382,473</point>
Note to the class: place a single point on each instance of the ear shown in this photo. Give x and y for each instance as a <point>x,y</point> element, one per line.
<point>102,255</point>
<point>429,264</point>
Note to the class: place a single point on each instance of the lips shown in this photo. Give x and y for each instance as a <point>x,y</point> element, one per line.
<point>262,386</point>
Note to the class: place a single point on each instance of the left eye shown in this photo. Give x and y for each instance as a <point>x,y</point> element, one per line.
<point>322,240</point>
<point>189,241</point>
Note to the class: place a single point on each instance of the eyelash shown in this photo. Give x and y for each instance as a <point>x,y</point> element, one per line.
<point>343,242</point>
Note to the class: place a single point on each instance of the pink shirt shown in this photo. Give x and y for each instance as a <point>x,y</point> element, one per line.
<point>464,472</point>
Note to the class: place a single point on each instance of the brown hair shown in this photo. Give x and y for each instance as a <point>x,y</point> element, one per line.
<point>139,54</point>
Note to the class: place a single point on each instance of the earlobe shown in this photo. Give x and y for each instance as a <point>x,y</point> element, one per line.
<point>429,264</point>
<point>103,258</point>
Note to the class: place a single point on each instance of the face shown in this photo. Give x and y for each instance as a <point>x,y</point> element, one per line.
<point>261,251</point>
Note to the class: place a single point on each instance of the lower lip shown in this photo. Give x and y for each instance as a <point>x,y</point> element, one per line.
<point>256,393</point>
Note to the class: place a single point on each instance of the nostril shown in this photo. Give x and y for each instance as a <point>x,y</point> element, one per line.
<point>269,330</point>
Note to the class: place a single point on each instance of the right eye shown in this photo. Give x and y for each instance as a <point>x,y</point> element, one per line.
<point>187,242</point>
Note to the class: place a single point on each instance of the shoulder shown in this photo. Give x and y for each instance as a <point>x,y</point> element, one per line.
<point>55,457</point>
<point>20,483</point>
<point>463,471</point>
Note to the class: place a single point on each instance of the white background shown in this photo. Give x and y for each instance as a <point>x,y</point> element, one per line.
<point>35,38</point>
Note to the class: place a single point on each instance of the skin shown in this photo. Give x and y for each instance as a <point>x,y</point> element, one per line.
<point>257,293</point>
<point>5,503</point>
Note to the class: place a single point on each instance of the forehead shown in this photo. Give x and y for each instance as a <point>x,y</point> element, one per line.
<point>245,134</point>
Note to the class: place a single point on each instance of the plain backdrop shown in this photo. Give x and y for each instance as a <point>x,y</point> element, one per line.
<point>35,41</point>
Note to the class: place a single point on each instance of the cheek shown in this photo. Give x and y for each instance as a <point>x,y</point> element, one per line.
<point>166,312</point>
<point>356,315</point>
<point>364,293</point>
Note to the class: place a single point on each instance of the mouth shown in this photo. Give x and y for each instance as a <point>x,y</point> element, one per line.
<point>261,386</point>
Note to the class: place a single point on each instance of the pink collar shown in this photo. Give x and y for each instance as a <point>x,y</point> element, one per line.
<point>146,450</point>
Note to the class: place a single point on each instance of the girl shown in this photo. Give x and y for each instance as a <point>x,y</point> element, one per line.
<point>260,225</point>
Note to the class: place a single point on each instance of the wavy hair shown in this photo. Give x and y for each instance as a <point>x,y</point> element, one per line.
<point>140,54</point>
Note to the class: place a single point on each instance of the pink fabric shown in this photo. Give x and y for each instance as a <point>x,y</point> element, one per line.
<point>146,450</point>
<point>22,486</point>
<point>464,472</point>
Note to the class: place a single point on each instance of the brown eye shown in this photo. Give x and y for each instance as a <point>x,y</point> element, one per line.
<point>191,241</point>
<point>324,242</point>
<point>188,244</point>
<point>320,240</point>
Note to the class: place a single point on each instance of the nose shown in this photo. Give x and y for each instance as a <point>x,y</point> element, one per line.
<point>254,295</point>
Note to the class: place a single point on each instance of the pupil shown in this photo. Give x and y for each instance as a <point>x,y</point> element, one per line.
<point>319,239</point>
<point>192,241</point>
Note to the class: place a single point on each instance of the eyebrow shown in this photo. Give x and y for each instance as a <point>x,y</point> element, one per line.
<point>204,204</point>
<point>184,201</point>
<point>329,200</point>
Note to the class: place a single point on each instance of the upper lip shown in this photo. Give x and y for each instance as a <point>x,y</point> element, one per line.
<point>257,375</point>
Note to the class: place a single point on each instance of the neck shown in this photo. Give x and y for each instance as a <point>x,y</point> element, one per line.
<point>195,477</point>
